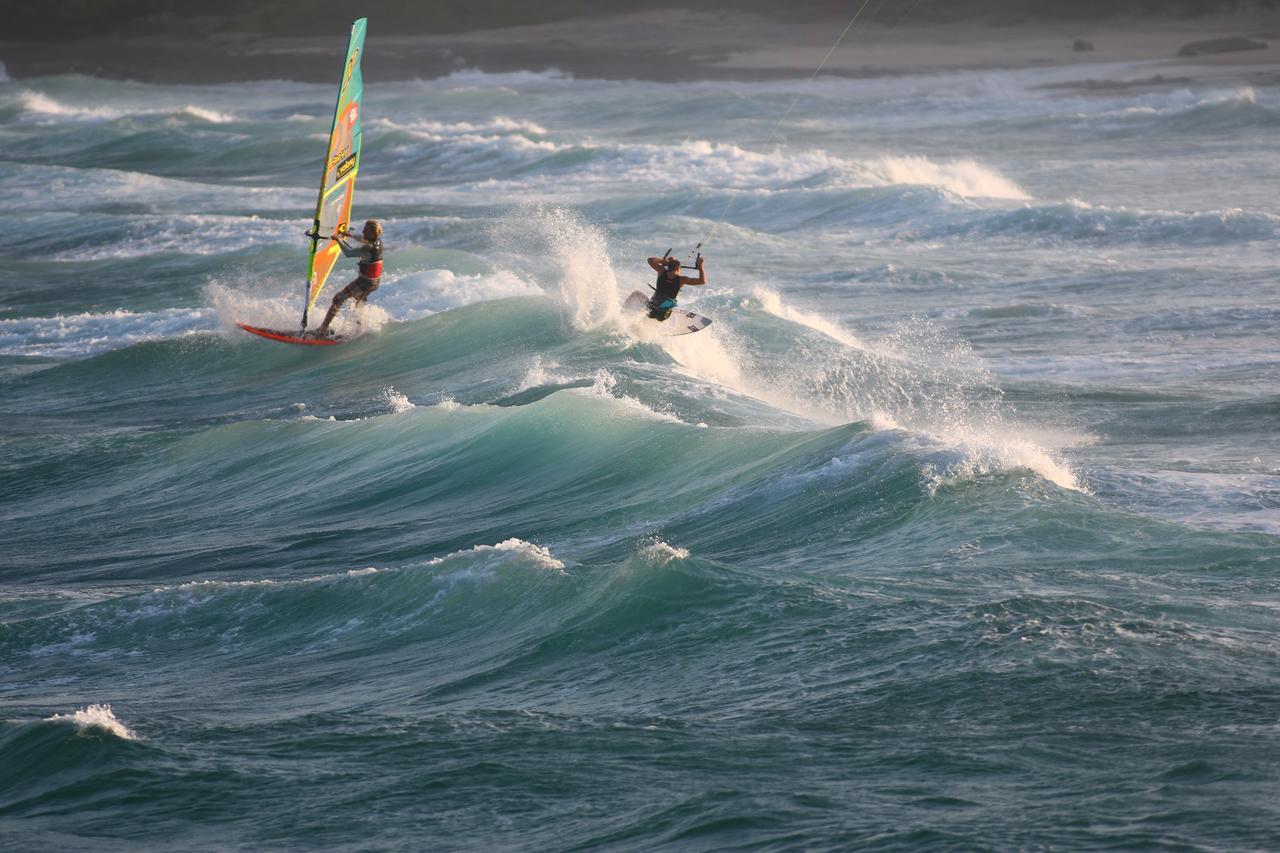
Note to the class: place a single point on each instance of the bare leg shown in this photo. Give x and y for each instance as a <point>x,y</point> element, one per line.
<point>339,298</point>
<point>360,312</point>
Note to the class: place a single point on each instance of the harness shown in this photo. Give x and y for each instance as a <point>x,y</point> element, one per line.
<point>372,268</point>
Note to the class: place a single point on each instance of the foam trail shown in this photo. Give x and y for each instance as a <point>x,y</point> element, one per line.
<point>509,549</point>
<point>775,306</point>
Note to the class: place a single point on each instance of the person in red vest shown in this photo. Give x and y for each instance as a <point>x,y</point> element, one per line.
<point>370,265</point>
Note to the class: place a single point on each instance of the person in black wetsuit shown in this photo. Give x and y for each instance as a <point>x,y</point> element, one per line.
<point>669,283</point>
<point>370,266</point>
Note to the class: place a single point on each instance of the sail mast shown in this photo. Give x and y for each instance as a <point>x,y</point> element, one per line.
<point>337,184</point>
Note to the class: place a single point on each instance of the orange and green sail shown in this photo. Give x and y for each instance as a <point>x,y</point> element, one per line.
<point>342,162</point>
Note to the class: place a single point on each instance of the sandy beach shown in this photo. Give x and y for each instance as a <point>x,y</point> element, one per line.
<point>670,45</point>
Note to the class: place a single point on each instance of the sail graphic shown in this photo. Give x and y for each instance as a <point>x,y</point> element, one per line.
<point>342,162</point>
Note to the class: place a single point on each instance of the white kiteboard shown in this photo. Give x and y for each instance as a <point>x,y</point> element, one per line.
<point>680,322</point>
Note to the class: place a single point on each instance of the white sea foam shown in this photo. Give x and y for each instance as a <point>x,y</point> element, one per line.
<point>403,297</point>
<point>45,107</point>
<point>396,401</point>
<point>96,717</point>
<point>917,380</point>
<point>534,376</point>
<point>609,165</point>
<point>204,114</point>
<point>275,304</point>
<point>412,295</point>
<point>940,390</point>
<point>509,549</point>
<point>466,149</point>
<point>271,304</point>
<point>718,355</point>
<point>46,189</point>
<point>440,129</point>
<point>775,306</point>
<point>41,105</point>
<point>540,373</point>
<point>963,177</point>
<point>604,384</point>
<point>989,448</point>
<point>1239,500</point>
<point>72,335</point>
<point>186,234</point>
<point>662,553</point>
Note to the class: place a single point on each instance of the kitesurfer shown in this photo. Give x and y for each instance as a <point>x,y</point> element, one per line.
<point>370,266</point>
<point>669,283</point>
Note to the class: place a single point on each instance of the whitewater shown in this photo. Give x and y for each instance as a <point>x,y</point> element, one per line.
<point>958,529</point>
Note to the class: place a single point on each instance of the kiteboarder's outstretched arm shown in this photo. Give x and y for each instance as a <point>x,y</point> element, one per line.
<point>702,274</point>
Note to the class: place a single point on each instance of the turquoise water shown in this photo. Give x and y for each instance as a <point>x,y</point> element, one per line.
<point>957,529</point>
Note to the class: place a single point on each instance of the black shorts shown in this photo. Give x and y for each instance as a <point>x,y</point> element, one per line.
<point>358,289</point>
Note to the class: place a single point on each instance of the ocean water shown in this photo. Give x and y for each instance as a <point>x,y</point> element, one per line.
<point>959,528</point>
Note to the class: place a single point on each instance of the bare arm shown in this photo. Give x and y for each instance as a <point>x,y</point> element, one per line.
<point>702,275</point>
<point>658,264</point>
<point>361,252</point>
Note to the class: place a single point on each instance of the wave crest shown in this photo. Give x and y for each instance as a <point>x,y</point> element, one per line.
<point>99,717</point>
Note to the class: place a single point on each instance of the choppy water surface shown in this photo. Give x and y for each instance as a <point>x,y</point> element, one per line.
<point>958,528</point>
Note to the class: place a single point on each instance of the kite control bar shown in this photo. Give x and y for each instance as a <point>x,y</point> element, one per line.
<point>667,254</point>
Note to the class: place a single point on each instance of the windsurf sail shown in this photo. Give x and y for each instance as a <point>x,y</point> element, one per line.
<point>342,162</point>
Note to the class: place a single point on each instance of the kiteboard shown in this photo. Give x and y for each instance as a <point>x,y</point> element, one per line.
<point>333,204</point>
<point>680,322</point>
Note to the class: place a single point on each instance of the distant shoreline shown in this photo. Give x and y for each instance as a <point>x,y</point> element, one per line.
<point>662,46</point>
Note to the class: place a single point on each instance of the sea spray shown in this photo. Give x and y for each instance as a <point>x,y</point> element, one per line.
<point>570,261</point>
<point>917,378</point>
<point>96,718</point>
<point>395,401</point>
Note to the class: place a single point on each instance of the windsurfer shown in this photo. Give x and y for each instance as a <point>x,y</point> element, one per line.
<point>370,266</point>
